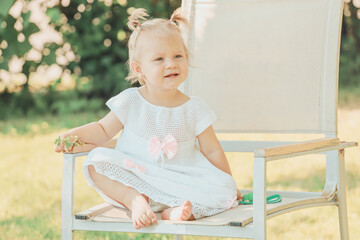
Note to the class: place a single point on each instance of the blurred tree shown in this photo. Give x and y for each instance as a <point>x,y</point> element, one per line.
<point>14,34</point>
<point>17,27</point>
<point>92,51</point>
<point>95,33</point>
<point>350,46</point>
<point>98,34</point>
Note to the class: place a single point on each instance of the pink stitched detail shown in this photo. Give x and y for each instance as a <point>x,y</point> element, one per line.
<point>233,203</point>
<point>130,164</point>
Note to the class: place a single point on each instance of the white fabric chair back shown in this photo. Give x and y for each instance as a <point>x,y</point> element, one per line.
<point>272,67</point>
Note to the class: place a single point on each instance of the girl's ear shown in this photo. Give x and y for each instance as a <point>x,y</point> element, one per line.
<point>135,67</point>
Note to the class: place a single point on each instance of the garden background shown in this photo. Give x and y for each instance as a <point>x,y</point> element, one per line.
<point>60,60</point>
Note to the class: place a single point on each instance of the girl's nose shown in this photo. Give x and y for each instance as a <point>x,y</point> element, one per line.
<point>170,63</point>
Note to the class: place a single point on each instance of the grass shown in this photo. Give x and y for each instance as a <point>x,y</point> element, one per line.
<point>31,175</point>
<point>47,123</point>
<point>349,97</point>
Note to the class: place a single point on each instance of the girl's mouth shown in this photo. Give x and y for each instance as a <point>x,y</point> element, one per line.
<point>171,75</point>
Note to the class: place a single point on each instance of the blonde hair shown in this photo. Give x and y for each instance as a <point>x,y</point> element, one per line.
<point>139,23</point>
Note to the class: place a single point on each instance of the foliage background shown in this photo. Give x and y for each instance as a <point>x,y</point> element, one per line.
<point>61,59</point>
<point>85,60</point>
<point>89,51</point>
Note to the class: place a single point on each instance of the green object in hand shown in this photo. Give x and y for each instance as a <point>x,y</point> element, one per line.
<point>248,199</point>
<point>69,142</point>
<point>58,141</point>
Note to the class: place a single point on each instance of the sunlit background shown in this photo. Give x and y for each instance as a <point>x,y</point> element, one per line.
<point>61,60</point>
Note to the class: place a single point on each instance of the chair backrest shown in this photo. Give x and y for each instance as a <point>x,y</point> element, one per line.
<point>268,66</point>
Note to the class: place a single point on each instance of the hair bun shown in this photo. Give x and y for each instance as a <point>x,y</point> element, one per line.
<point>137,17</point>
<point>177,17</point>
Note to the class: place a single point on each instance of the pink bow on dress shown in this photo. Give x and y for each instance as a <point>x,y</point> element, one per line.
<point>130,164</point>
<point>168,148</point>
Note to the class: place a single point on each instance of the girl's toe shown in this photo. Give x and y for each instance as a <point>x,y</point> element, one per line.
<point>145,220</point>
<point>138,224</point>
<point>141,224</point>
<point>151,215</point>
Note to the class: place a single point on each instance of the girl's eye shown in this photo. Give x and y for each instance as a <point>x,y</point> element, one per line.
<point>159,59</point>
<point>178,56</point>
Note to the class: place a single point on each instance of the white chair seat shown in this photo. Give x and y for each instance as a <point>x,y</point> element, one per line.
<point>239,216</point>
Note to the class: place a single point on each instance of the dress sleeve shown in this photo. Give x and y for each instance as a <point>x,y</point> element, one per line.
<point>205,116</point>
<point>120,105</point>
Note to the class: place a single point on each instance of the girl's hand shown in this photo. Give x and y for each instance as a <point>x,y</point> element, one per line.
<point>239,196</point>
<point>66,143</point>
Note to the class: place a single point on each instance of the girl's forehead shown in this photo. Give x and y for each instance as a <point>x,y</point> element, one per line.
<point>160,42</point>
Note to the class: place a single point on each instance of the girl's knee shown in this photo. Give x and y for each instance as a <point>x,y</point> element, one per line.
<point>92,171</point>
<point>97,177</point>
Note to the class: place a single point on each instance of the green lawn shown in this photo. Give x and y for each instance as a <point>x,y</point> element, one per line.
<point>31,175</point>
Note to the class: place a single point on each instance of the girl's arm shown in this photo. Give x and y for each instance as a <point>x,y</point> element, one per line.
<point>93,134</point>
<point>212,150</point>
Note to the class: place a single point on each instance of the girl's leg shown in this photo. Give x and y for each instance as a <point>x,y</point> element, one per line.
<point>141,212</point>
<point>179,213</point>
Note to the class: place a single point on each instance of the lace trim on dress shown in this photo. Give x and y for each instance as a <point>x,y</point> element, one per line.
<point>128,178</point>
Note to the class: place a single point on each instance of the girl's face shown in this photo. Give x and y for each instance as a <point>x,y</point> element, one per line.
<point>161,61</point>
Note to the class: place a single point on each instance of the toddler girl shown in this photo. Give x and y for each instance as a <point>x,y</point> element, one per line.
<point>156,165</point>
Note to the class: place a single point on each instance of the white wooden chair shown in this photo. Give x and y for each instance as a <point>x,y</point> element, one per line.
<point>264,66</point>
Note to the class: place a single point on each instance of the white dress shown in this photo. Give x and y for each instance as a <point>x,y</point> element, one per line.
<point>166,176</point>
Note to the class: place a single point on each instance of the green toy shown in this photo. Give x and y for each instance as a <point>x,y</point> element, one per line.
<point>248,199</point>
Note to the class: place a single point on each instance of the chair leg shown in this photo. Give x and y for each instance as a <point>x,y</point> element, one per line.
<point>67,234</point>
<point>341,194</point>
<point>259,186</point>
<point>179,237</point>
<point>68,196</point>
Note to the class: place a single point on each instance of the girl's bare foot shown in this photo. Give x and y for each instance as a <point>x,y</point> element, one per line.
<point>180,213</point>
<point>141,213</point>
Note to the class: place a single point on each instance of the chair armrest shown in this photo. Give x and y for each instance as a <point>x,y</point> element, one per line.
<point>302,148</point>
